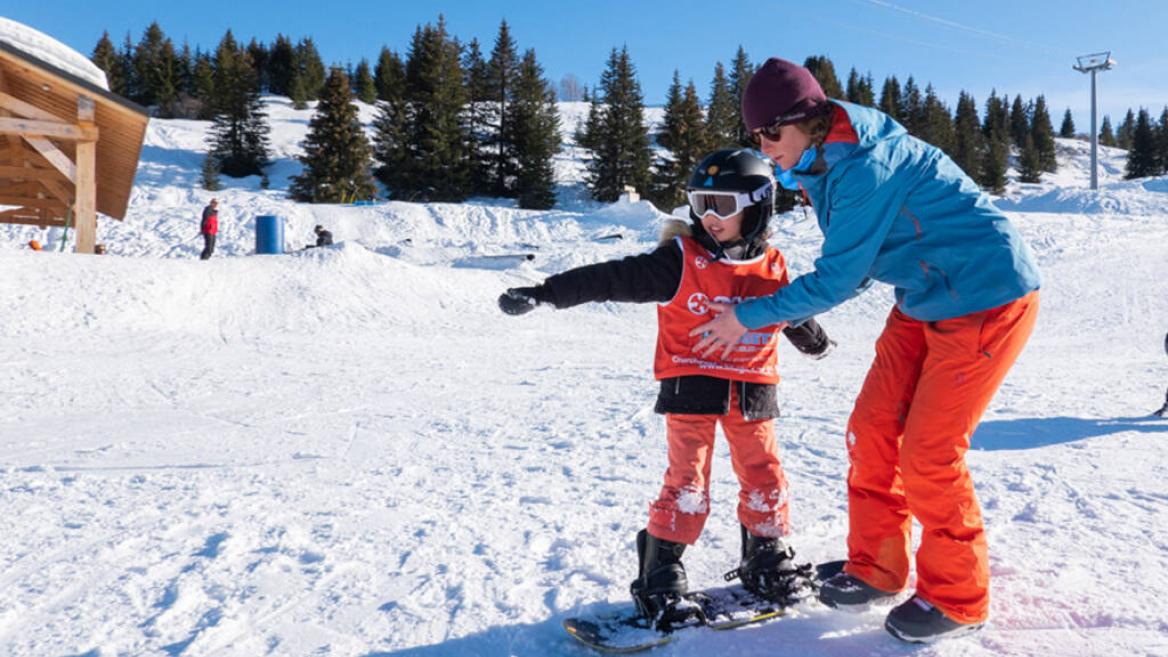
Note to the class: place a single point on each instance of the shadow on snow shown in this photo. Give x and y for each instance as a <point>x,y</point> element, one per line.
<point>813,631</point>
<point>1028,433</point>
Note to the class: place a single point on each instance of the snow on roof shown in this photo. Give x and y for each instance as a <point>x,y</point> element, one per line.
<point>47,49</point>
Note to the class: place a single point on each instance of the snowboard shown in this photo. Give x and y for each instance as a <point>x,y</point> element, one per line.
<point>626,632</point>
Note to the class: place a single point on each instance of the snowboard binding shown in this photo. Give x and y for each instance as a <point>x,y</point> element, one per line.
<point>768,570</point>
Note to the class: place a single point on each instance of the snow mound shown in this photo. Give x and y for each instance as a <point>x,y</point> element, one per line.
<point>49,50</point>
<point>1146,196</point>
<point>303,293</point>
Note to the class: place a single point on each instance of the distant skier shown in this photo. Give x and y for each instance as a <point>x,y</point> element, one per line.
<point>1163,409</point>
<point>209,228</point>
<point>722,253</point>
<point>323,237</point>
<point>895,209</point>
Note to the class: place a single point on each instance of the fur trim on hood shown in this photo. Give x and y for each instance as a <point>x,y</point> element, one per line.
<point>675,228</point>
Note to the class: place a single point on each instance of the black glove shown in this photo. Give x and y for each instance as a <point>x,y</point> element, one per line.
<point>821,350</point>
<point>518,300</point>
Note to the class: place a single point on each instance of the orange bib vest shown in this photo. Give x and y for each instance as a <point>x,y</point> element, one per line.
<point>755,358</point>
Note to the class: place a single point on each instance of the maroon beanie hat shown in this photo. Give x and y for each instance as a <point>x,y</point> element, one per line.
<point>781,90</point>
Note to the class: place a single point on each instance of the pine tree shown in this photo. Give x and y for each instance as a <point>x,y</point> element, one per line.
<point>588,134</point>
<point>1019,122</point>
<point>533,125</point>
<point>995,162</point>
<point>310,68</point>
<point>936,124</point>
<point>105,56</point>
<point>431,155</point>
<point>997,118</point>
<point>239,132</point>
<point>741,71</point>
<point>1067,130</point>
<point>366,88</point>
<point>859,90</point>
<point>389,75</point>
<point>1029,162</point>
<point>204,86</point>
<point>260,55</point>
<point>1106,136</point>
<point>912,107</point>
<point>824,72</point>
<point>298,91</point>
<point>126,64</point>
<point>683,136</point>
<point>621,153</point>
<point>1123,136</point>
<point>281,66</point>
<point>336,152</point>
<point>480,118</point>
<point>890,102</point>
<point>1162,144</point>
<point>996,156</point>
<point>1042,133</point>
<point>154,69</point>
<point>502,69</point>
<point>210,173</point>
<point>968,140</point>
<point>721,111</point>
<point>184,71</point>
<point>391,145</point>
<point>1142,157</point>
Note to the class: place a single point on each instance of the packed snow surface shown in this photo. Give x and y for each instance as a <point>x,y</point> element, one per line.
<point>47,49</point>
<point>350,451</point>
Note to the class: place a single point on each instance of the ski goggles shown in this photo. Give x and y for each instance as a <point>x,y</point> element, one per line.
<point>724,205</point>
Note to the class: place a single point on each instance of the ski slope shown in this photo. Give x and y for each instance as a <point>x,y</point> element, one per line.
<point>351,452</point>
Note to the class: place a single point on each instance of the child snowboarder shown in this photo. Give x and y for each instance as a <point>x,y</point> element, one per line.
<point>721,254</point>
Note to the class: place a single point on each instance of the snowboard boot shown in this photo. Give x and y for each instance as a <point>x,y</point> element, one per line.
<point>660,588</point>
<point>768,570</point>
<point>844,591</point>
<point>917,621</point>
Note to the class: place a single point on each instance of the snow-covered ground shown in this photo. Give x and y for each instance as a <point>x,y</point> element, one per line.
<point>352,452</point>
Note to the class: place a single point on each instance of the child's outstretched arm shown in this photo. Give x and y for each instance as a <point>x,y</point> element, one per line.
<point>652,276</point>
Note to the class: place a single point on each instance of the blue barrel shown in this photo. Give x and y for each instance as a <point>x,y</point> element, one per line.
<point>269,234</point>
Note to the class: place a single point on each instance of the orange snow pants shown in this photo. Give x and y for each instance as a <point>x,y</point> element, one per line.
<point>907,438</point>
<point>680,512</point>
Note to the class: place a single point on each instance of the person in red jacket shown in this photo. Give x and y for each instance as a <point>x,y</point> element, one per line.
<point>722,254</point>
<point>209,228</point>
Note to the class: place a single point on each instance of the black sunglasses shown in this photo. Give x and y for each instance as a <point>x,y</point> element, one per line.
<point>770,132</point>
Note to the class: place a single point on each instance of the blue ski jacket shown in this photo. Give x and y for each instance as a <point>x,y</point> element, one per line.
<point>897,210</point>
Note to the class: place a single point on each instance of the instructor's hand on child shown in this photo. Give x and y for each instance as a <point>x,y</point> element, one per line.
<point>722,332</point>
<point>518,300</point>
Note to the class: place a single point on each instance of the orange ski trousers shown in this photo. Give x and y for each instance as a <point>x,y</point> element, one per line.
<point>907,438</point>
<point>680,511</point>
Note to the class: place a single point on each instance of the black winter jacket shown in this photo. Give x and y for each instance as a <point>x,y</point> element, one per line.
<point>655,276</point>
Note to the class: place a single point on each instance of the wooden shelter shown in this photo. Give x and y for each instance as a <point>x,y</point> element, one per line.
<point>68,148</point>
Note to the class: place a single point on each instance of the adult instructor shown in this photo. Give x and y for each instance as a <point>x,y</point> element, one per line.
<point>895,209</point>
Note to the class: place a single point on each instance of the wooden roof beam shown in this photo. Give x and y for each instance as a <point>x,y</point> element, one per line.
<point>54,156</point>
<point>51,129</point>
<point>24,201</point>
<point>27,110</point>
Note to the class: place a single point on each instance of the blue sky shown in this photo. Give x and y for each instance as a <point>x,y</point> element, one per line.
<point>1018,46</point>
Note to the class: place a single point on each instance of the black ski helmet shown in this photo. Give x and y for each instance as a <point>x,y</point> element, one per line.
<point>738,170</point>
